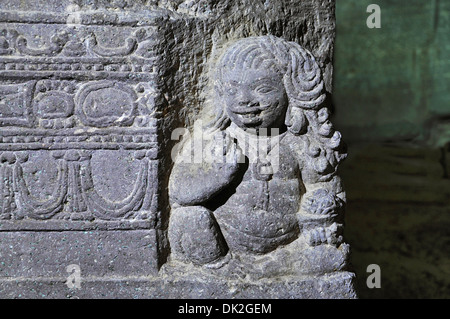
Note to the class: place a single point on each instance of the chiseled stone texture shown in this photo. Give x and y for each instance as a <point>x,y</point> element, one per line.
<point>334,286</point>
<point>90,94</point>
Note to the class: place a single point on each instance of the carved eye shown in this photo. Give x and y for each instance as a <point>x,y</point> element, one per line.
<point>265,89</point>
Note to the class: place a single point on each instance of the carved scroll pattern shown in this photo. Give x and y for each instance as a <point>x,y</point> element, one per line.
<point>66,43</point>
<point>127,49</point>
<point>56,45</point>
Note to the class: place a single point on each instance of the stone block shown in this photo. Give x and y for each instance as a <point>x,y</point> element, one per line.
<point>91,96</point>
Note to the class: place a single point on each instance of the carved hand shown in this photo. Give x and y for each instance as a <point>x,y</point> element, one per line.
<point>195,183</point>
<point>222,150</point>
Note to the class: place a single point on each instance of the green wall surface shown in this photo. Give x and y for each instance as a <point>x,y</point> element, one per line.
<point>391,100</point>
<point>393,83</point>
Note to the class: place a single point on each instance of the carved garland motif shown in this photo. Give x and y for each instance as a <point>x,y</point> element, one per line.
<point>74,189</point>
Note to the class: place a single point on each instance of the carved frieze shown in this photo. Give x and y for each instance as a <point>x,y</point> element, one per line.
<point>93,94</point>
<point>66,94</point>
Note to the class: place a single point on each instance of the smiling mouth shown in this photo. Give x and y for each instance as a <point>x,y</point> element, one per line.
<point>250,115</point>
<point>250,110</point>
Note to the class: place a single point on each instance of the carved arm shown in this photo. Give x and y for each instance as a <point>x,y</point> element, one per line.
<point>194,183</point>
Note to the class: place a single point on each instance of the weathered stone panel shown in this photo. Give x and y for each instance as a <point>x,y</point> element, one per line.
<point>90,94</point>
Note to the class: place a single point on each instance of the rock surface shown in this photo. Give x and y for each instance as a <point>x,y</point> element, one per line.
<point>92,94</point>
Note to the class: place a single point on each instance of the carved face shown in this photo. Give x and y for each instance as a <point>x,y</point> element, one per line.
<point>255,98</point>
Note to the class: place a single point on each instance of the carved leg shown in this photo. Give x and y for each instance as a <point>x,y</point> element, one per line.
<point>194,235</point>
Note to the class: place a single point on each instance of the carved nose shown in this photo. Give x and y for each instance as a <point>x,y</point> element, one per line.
<point>246,99</point>
<point>248,104</point>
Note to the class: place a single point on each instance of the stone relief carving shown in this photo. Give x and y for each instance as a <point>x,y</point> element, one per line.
<point>66,97</point>
<point>269,201</point>
<point>90,93</point>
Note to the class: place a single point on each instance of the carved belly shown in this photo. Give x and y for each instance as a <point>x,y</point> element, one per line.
<point>256,230</point>
<point>260,222</point>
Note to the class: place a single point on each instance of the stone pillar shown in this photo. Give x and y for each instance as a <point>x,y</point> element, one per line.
<point>91,93</point>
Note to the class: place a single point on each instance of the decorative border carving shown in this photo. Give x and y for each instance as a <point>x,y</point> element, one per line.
<point>57,43</point>
<point>95,88</point>
<point>75,196</point>
<point>18,96</point>
<point>53,85</point>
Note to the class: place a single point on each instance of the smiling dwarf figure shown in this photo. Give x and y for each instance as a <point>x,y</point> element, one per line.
<point>271,187</point>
